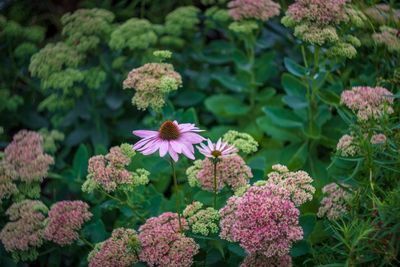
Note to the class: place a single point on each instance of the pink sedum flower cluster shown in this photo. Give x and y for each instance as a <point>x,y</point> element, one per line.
<point>347,146</point>
<point>368,102</point>
<point>231,170</point>
<point>110,171</point>
<point>264,220</point>
<point>7,187</point>
<point>120,250</point>
<point>378,139</point>
<point>24,233</point>
<point>162,243</point>
<point>253,9</point>
<point>24,158</point>
<point>334,204</point>
<point>297,183</point>
<point>152,82</point>
<point>259,260</point>
<point>322,12</point>
<point>65,220</point>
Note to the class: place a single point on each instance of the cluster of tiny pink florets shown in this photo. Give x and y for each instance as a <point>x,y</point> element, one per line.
<point>368,102</point>
<point>24,158</point>
<point>162,243</point>
<point>322,12</point>
<point>65,220</point>
<point>378,139</point>
<point>264,220</point>
<point>121,250</point>
<point>253,9</point>
<point>297,183</point>
<point>231,170</point>
<point>108,171</point>
<point>259,260</point>
<point>335,203</point>
<point>347,146</point>
<point>25,229</point>
<point>152,82</point>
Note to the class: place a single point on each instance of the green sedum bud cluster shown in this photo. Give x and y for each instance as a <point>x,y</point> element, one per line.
<point>202,221</point>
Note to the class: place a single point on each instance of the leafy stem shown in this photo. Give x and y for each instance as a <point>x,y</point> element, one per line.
<point>177,199</point>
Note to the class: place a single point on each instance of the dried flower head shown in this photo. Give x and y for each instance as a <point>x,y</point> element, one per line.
<point>201,221</point>
<point>335,203</point>
<point>121,250</point>
<point>134,34</point>
<point>368,102</point>
<point>347,147</point>
<point>152,82</point>
<point>109,172</point>
<point>24,159</point>
<point>253,9</point>
<point>24,233</point>
<point>297,183</point>
<point>231,170</point>
<point>65,220</point>
<point>242,141</point>
<point>264,220</point>
<point>162,243</point>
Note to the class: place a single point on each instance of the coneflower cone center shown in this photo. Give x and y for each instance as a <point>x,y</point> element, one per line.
<point>169,131</point>
<point>216,154</point>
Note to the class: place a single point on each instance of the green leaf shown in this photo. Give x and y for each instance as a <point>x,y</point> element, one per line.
<point>283,117</point>
<point>277,133</point>
<point>299,158</point>
<point>264,67</point>
<point>299,249</point>
<point>294,68</point>
<point>229,81</point>
<point>96,231</point>
<point>329,97</point>
<point>236,249</point>
<point>307,222</point>
<point>295,102</point>
<point>189,98</point>
<point>80,162</point>
<point>293,86</point>
<point>226,106</point>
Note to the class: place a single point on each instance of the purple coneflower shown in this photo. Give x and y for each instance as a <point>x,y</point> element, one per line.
<point>172,138</point>
<point>218,150</point>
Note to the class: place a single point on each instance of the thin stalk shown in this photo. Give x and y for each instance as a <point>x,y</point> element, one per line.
<point>87,242</point>
<point>177,198</point>
<point>215,183</point>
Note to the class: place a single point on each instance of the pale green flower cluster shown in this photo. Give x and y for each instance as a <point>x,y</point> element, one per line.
<point>192,171</point>
<point>162,54</point>
<point>85,28</point>
<point>179,23</point>
<point>242,141</point>
<point>134,34</point>
<point>50,139</point>
<point>201,221</point>
<point>215,17</point>
<point>245,27</point>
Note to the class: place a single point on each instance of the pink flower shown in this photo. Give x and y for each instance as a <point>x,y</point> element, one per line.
<point>231,170</point>
<point>264,220</point>
<point>368,102</point>
<point>172,138</point>
<point>163,245</point>
<point>253,9</point>
<point>334,204</point>
<point>24,158</point>
<point>378,139</point>
<point>65,220</point>
<point>259,260</point>
<point>218,150</point>
<point>24,233</point>
<point>120,250</point>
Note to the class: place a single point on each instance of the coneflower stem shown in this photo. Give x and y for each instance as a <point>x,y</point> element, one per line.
<point>215,183</point>
<point>177,199</point>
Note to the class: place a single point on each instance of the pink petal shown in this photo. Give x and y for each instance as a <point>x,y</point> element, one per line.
<point>176,146</point>
<point>145,133</point>
<point>192,138</point>
<point>164,148</point>
<point>173,154</point>
<point>142,143</point>
<point>186,151</point>
<point>210,145</point>
<point>218,144</point>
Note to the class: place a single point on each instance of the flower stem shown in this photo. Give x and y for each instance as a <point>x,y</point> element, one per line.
<point>87,242</point>
<point>215,183</point>
<point>177,199</point>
